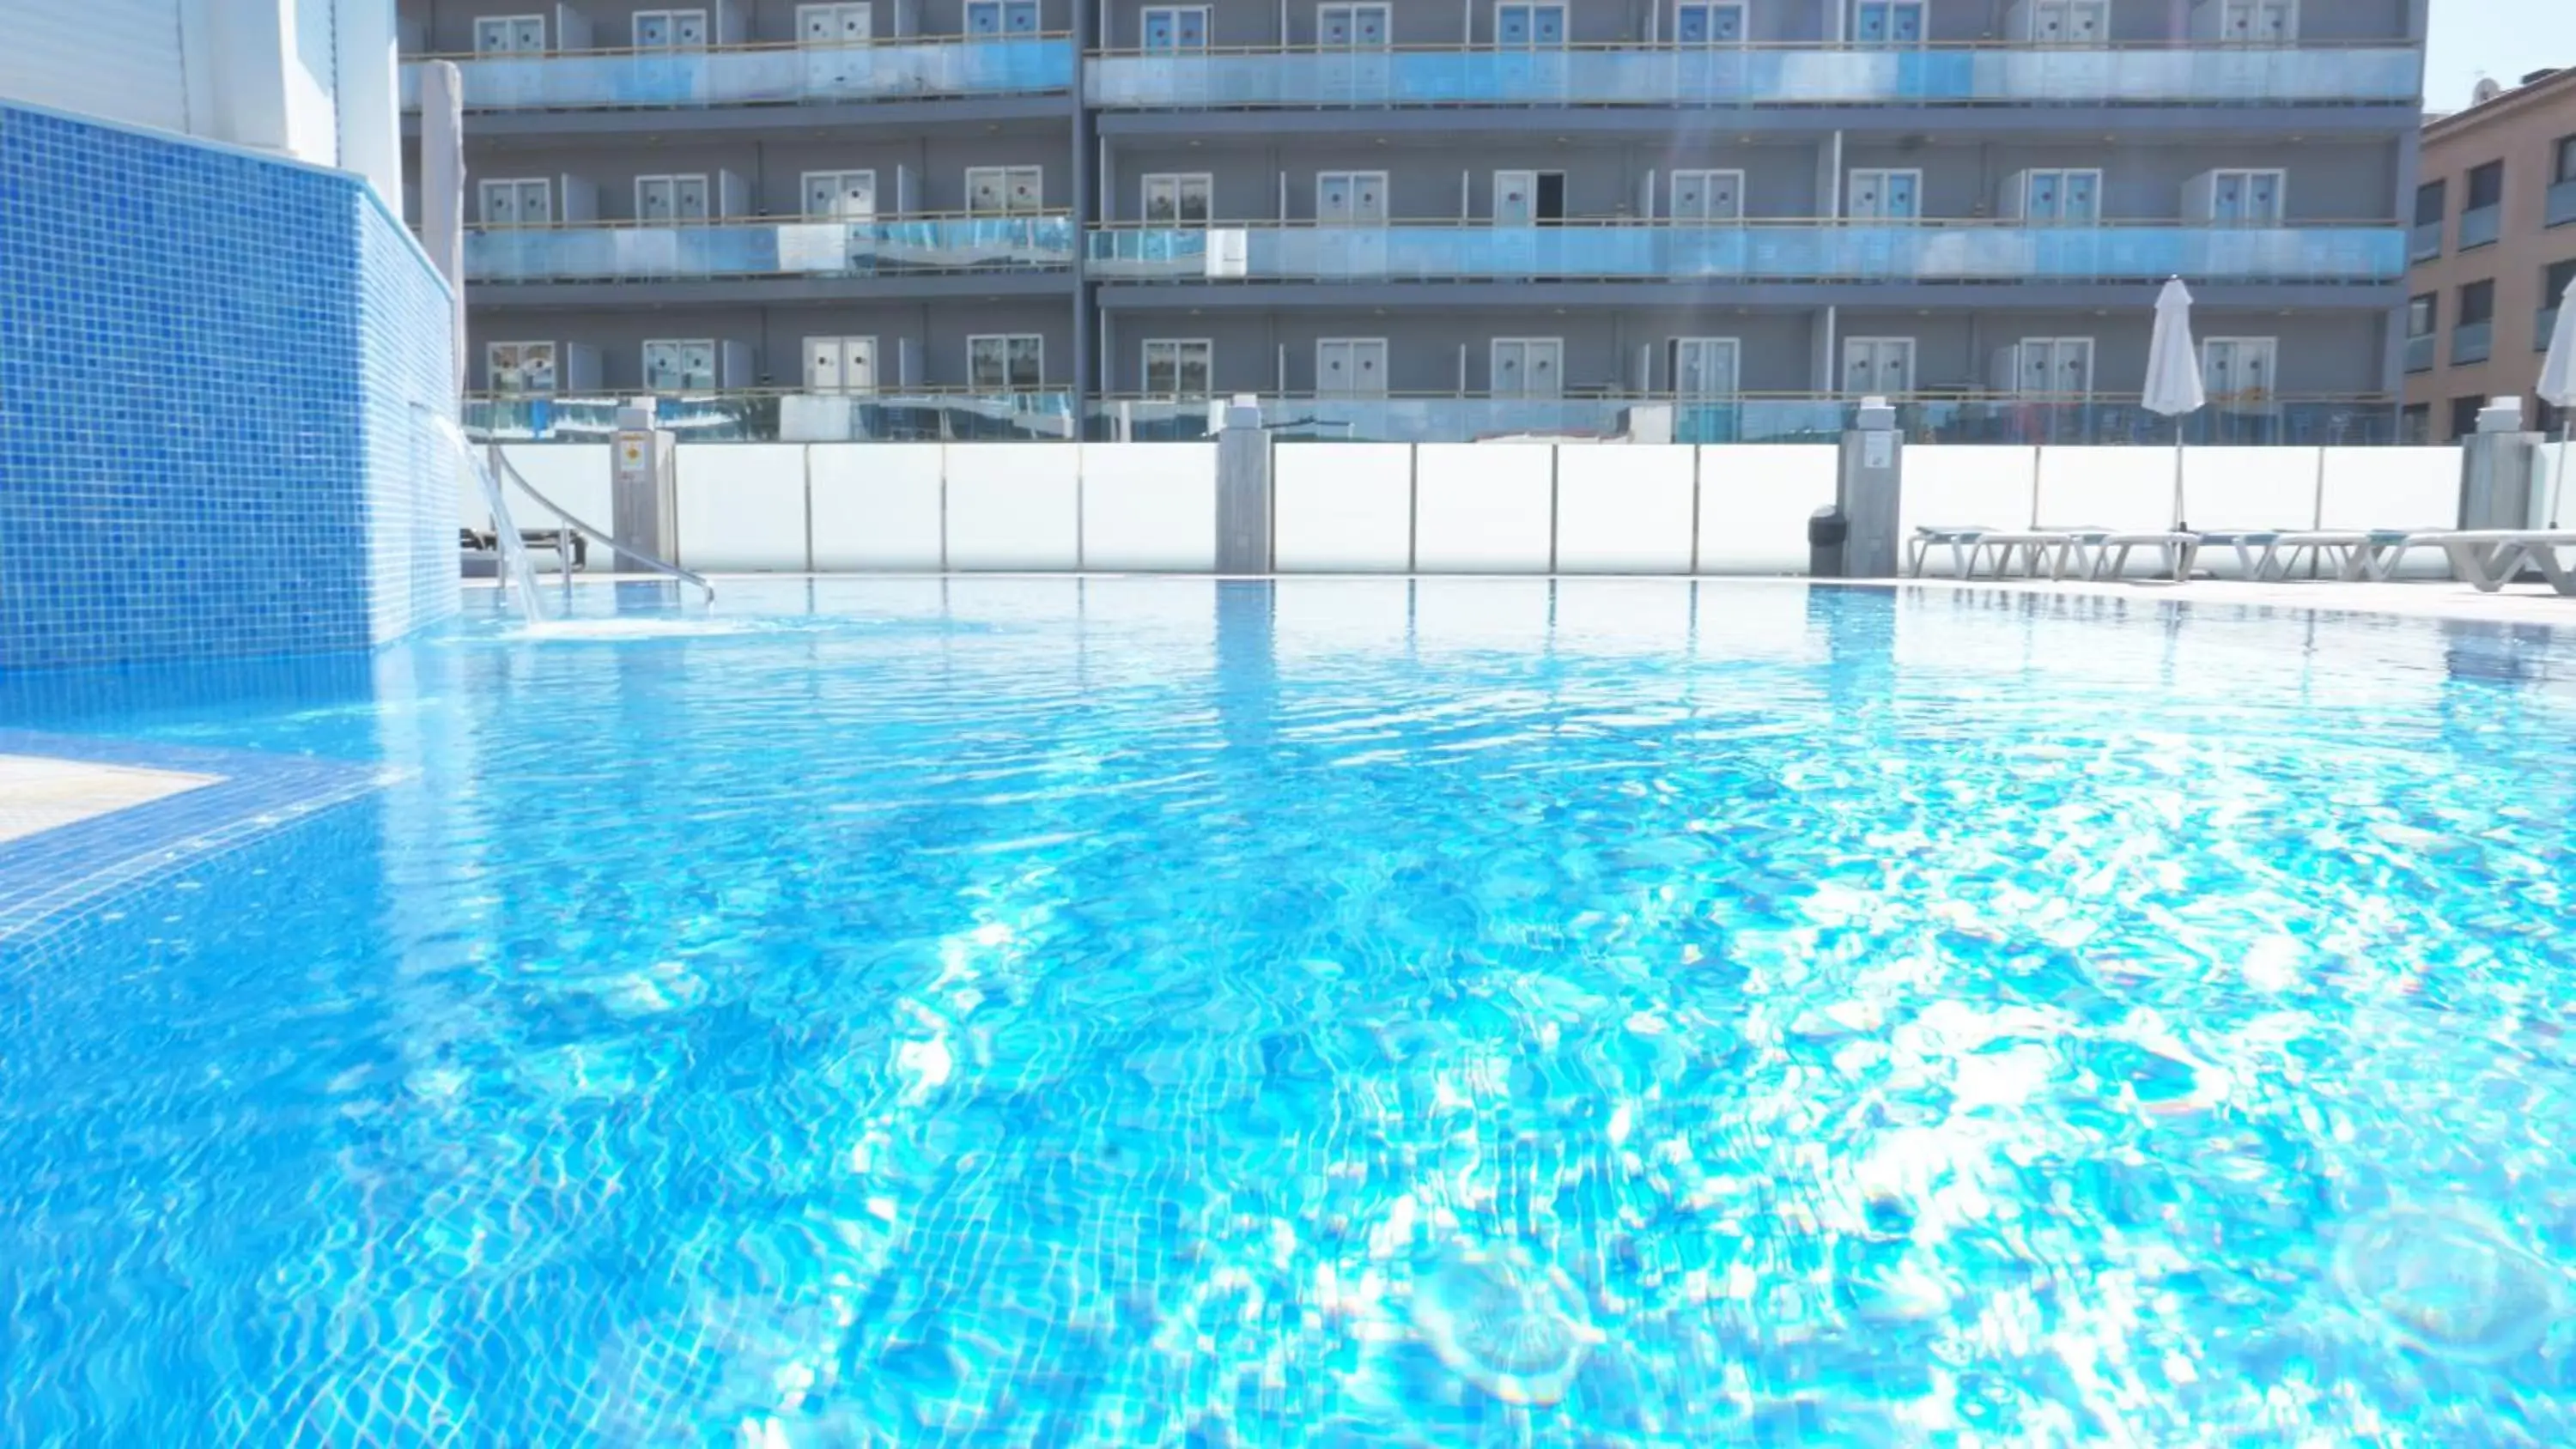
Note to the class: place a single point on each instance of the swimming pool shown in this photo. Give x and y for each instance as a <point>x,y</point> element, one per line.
<point>1350,1012</point>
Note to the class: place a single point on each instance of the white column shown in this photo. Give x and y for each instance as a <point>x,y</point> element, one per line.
<point>370,119</point>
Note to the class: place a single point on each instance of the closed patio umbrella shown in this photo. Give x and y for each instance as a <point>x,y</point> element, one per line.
<point>2173,372</point>
<point>2558,389</point>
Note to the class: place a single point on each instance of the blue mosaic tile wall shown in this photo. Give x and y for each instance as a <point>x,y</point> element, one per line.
<point>209,369</point>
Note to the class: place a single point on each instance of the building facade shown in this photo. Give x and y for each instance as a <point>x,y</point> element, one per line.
<point>1417,219</point>
<point>2493,248</point>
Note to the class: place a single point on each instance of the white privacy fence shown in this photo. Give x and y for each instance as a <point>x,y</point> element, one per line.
<point>1444,507</point>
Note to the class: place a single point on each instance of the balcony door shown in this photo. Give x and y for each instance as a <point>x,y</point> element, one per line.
<point>670,30</point>
<point>527,201</point>
<point>2239,369</point>
<point>841,195</point>
<point>1178,198</point>
<point>840,24</point>
<point>680,366</point>
<point>1001,17</point>
<point>1528,367</point>
<point>840,364</point>
<point>671,198</point>
<point>1350,367</point>
<point>519,367</point>
<point>1529,198</point>
<point>1350,198</point>
<point>1703,367</point>
<point>1888,22</point>
<point>1176,27</point>
<point>1352,27</point>
<point>1886,195</point>
<point>1878,366</point>
<point>2052,367</point>
<point>1529,27</point>
<point>2070,22</point>
<point>1179,367</point>
<point>1697,23</point>
<point>1708,196</point>
<point>510,35</point>
<point>2070,198</point>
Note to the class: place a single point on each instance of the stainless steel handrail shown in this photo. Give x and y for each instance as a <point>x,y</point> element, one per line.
<point>503,468</point>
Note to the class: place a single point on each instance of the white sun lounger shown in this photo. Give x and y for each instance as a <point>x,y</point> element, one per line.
<point>2492,558</point>
<point>1958,539</point>
<point>2110,554</point>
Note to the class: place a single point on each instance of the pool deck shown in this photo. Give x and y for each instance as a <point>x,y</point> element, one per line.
<point>42,792</point>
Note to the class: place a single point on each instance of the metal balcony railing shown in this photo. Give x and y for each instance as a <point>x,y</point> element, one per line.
<point>2419,353</point>
<point>1642,74</point>
<point>768,247</point>
<point>2472,342</point>
<point>760,74</point>
<point>2424,241</point>
<point>1945,251</point>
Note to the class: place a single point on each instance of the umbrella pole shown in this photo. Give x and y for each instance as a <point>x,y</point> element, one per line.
<point>2177,508</point>
<point>2558,494</point>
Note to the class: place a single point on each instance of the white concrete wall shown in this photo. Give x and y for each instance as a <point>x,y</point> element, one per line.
<point>742,508</point>
<point>1754,503</point>
<point>881,506</point>
<point>1149,507</point>
<point>1968,486</point>
<point>1484,510</point>
<point>1342,507</point>
<point>1625,510</point>
<point>1011,506</point>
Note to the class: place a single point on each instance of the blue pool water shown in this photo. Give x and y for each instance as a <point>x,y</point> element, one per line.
<point>1041,1012</point>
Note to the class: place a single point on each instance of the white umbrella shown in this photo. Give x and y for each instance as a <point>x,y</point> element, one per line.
<point>2173,372</point>
<point>2558,389</point>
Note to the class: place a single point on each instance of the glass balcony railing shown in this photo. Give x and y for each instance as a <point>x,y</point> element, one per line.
<point>2480,226</point>
<point>2562,203</point>
<point>1652,75</point>
<point>2419,353</point>
<point>1759,251</point>
<point>934,415</point>
<point>798,248</point>
<point>2543,327</point>
<point>2472,342</point>
<point>760,75</point>
<point>2424,242</point>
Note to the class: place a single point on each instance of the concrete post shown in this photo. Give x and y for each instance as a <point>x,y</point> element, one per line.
<point>643,485</point>
<point>1867,494</point>
<point>2495,468</point>
<point>1243,491</point>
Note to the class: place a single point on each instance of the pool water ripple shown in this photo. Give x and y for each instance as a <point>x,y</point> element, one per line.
<point>1126,1012</point>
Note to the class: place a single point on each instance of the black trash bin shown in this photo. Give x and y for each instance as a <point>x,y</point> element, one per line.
<point>1827,532</point>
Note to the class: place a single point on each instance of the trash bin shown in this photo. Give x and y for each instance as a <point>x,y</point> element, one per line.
<point>1827,532</point>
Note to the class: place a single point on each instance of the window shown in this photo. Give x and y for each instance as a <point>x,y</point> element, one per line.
<point>519,367</point>
<point>1709,24</point>
<point>1351,27</point>
<point>1350,367</point>
<point>2430,199</point>
<point>1528,367</point>
<point>1708,196</point>
<point>671,198</point>
<point>1176,27</point>
<point>1005,190</point>
<point>1878,366</point>
<point>1001,17</point>
<point>2415,424</point>
<point>843,24</point>
<point>2238,369</point>
<point>509,34</point>
<point>1178,198</point>
<point>2554,281</point>
<point>1016,361</point>
<point>2473,336</point>
<point>1702,366</point>
<point>840,364</point>
<point>2423,314</point>
<point>525,201</point>
<point>841,195</point>
<point>1885,195</point>
<point>1888,22</point>
<point>2477,303</point>
<point>2486,185</point>
<point>1529,27</point>
<point>680,365</point>
<point>2065,198</point>
<point>670,30</point>
<point>2464,416</point>
<point>1178,366</point>
<point>2069,22</point>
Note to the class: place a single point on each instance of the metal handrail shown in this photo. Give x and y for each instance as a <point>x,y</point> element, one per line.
<point>888,392</point>
<point>672,52</point>
<point>504,468</point>
<point>1570,223</point>
<point>780,219</point>
<point>1726,47</point>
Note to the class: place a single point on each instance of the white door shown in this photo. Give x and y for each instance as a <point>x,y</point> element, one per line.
<point>1878,366</point>
<point>2069,22</point>
<point>2275,21</point>
<point>1719,23</point>
<point>1885,195</point>
<point>519,367</point>
<point>1176,27</point>
<point>840,364</point>
<point>1703,366</point>
<point>842,195</point>
<point>499,201</point>
<point>1708,196</point>
<point>1002,17</point>
<point>698,366</point>
<point>2043,198</point>
<point>656,199</point>
<point>1350,367</point>
<point>1354,198</point>
<point>665,365</point>
<point>497,35</point>
<point>2081,201</point>
<point>996,362</point>
<point>670,30</point>
<point>518,202</point>
<point>1005,190</point>
<point>1515,198</point>
<point>2239,368</point>
<point>1888,22</point>
<point>2263,198</point>
<point>843,24</point>
<point>1351,27</point>
<point>1528,27</point>
<point>689,198</point>
<point>1178,367</point>
<point>2054,366</point>
<point>1175,198</point>
<point>1528,366</point>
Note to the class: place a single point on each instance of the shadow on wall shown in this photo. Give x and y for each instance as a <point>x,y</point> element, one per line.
<point>212,365</point>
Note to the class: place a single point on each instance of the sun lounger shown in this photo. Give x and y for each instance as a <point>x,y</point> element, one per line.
<point>2492,558</point>
<point>1959,540</point>
<point>2063,550</point>
<point>2351,555</point>
<point>2110,554</point>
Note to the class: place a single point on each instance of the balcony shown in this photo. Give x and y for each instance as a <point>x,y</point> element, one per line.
<point>1652,75</point>
<point>2544,325</point>
<point>2562,203</point>
<point>2419,353</point>
<point>2481,225</point>
<point>2424,243</point>
<point>1755,251</point>
<point>760,75</point>
<point>885,246</point>
<point>893,415</point>
<point>2472,342</point>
